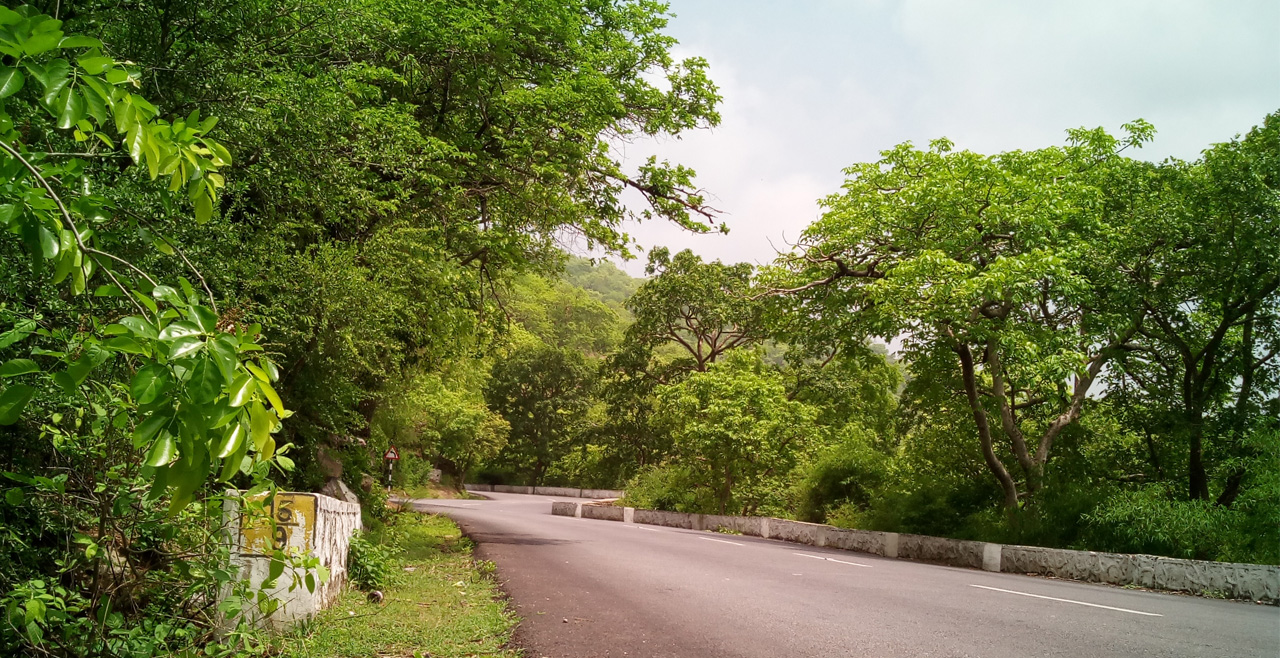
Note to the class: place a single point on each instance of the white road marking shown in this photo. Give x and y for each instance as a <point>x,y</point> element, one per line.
<point>649,529</point>
<point>721,541</point>
<point>1091,605</point>
<point>831,559</point>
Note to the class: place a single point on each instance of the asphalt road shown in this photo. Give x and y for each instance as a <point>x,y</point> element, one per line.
<point>588,589</point>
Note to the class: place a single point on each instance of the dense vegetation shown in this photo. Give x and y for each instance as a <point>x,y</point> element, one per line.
<point>251,245</point>
<point>245,237</point>
<point>1085,356</point>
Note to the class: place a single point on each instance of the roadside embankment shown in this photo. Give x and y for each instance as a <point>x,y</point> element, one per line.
<point>1222,579</point>
<point>439,602</point>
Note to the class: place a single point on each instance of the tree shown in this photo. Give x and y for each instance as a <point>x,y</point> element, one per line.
<point>444,418</point>
<point>704,308</point>
<point>542,392</point>
<point>1001,260</point>
<point>1205,262</point>
<point>564,315</point>
<point>399,161</point>
<point>734,429</point>
<point>125,400</point>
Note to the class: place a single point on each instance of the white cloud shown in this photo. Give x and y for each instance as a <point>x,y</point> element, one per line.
<point>810,88</point>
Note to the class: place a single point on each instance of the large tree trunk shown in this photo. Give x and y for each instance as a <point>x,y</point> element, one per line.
<point>994,464</point>
<point>1198,479</point>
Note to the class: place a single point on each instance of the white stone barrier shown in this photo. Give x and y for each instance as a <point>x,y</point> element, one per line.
<point>1254,582</point>
<point>305,524</point>
<point>567,492</point>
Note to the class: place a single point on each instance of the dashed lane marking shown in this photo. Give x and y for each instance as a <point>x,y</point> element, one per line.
<point>721,541</point>
<point>1051,598</point>
<point>831,559</point>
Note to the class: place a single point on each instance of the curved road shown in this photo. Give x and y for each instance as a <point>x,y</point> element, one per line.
<point>589,589</point>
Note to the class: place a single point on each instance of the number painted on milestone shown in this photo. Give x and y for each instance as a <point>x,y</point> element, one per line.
<point>291,526</point>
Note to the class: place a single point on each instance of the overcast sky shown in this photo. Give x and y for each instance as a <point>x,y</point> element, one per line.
<point>811,87</point>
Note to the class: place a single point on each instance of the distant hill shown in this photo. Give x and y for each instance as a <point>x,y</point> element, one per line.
<point>604,279</point>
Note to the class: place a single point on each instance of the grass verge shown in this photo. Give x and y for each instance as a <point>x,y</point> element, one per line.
<point>440,603</point>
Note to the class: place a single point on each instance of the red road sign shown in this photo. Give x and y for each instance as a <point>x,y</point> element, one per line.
<point>391,454</point>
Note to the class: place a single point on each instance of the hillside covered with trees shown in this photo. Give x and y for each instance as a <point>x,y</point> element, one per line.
<point>251,245</point>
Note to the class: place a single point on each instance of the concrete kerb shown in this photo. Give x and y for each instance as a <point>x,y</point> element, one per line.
<point>567,492</point>
<point>1242,581</point>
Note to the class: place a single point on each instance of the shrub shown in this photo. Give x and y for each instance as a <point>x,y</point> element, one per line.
<point>369,564</point>
<point>848,475</point>
<point>669,487</point>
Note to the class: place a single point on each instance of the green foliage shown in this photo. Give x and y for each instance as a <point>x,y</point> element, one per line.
<point>370,565</point>
<point>543,392</point>
<point>603,279</point>
<point>703,308</point>
<point>441,420</point>
<point>736,432</point>
<point>848,474</point>
<point>671,487</point>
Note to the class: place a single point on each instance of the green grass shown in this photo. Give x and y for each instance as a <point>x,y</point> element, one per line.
<point>442,603</point>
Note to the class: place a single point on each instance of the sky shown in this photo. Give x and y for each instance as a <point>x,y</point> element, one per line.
<point>811,87</point>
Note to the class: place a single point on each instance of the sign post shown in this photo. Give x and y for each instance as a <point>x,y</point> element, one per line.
<point>391,456</point>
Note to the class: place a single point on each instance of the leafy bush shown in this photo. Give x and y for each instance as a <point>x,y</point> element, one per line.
<point>849,474</point>
<point>1150,520</point>
<point>669,487</point>
<point>370,564</point>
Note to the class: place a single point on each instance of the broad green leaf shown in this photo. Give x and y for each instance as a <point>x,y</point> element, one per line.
<point>126,344</point>
<point>179,329</point>
<point>11,79</point>
<point>151,426</point>
<point>260,423</point>
<point>270,368</point>
<point>49,245</point>
<point>242,390</point>
<point>273,397</point>
<point>232,464</point>
<point>204,208</point>
<point>168,294</point>
<point>204,318</point>
<point>231,441</point>
<point>134,140</point>
<point>12,401</point>
<point>69,108</point>
<point>205,383</point>
<point>94,64</point>
<point>54,77</point>
<point>139,327</point>
<point>117,76</point>
<point>257,372</point>
<point>276,568</point>
<point>162,451</point>
<point>146,301</point>
<point>14,497</point>
<point>42,42</point>
<point>79,41</point>
<point>223,349</point>
<point>184,346</point>
<point>17,367</point>
<point>66,263</point>
<point>150,383</point>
